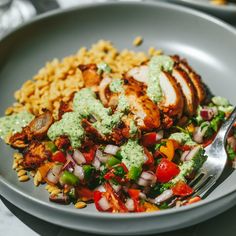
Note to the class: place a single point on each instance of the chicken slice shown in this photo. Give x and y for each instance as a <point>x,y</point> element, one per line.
<point>144,110</point>
<point>195,78</point>
<point>173,101</point>
<point>139,73</point>
<point>188,89</point>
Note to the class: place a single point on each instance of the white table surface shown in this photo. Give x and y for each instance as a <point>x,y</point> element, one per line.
<point>15,222</point>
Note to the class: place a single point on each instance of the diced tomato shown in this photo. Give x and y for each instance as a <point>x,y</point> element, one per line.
<point>185,148</point>
<point>97,195</point>
<point>85,193</point>
<point>149,139</point>
<point>89,156</point>
<point>59,156</point>
<point>109,175</point>
<point>166,170</point>
<point>134,193</point>
<point>182,189</point>
<point>168,150</point>
<point>114,200</point>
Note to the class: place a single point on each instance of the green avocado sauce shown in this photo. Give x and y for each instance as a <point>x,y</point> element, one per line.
<point>14,123</point>
<point>132,154</point>
<point>85,105</point>
<point>155,66</point>
<point>183,138</point>
<point>69,125</point>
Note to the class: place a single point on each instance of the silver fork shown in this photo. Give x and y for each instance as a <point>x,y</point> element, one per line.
<point>216,161</point>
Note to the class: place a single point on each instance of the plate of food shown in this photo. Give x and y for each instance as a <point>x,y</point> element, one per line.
<point>223,9</point>
<point>104,120</point>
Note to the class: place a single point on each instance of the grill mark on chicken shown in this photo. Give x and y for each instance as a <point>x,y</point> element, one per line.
<point>188,89</point>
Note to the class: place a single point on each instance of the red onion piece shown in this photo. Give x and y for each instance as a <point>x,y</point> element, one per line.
<point>147,175</point>
<point>207,113</point>
<point>159,135</point>
<point>143,182</point>
<point>53,174</point>
<point>200,132</point>
<point>69,165</point>
<point>101,157</point>
<point>79,172</point>
<point>79,157</point>
<point>192,153</point>
<point>184,155</point>
<point>96,163</point>
<point>104,204</point>
<point>111,149</point>
<point>164,196</point>
<point>130,204</point>
<point>100,188</point>
<point>117,188</point>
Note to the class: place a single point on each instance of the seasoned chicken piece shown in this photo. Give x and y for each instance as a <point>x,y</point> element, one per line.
<point>139,73</point>
<point>188,89</point>
<point>39,126</point>
<point>195,78</point>
<point>64,107</point>
<point>173,101</point>
<point>35,155</point>
<point>144,110</point>
<point>90,76</point>
<point>37,129</point>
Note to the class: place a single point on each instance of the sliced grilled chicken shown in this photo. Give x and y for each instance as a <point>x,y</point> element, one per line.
<point>188,89</point>
<point>144,110</point>
<point>195,78</point>
<point>139,73</point>
<point>173,101</point>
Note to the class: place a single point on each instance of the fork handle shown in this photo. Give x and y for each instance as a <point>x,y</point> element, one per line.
<point>227,125</point>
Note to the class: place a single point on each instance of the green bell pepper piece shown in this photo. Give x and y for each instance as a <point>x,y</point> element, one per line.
<point>69,178</point>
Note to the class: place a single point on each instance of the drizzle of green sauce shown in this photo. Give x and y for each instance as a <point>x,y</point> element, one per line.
<point>132,154</point>
<point>183,138</point>
<point>133,128</point>
<point>116,86</point>
<point>155,66</point>
<point>85,105</point>
<point>69,125</point>
<point>14,123</point>
<point>103,67</point>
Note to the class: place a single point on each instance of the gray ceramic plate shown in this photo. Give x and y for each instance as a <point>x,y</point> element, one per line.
<point>208,44</point>
<point>225,12</point>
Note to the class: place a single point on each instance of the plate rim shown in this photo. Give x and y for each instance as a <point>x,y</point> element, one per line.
<point>56,12</point>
